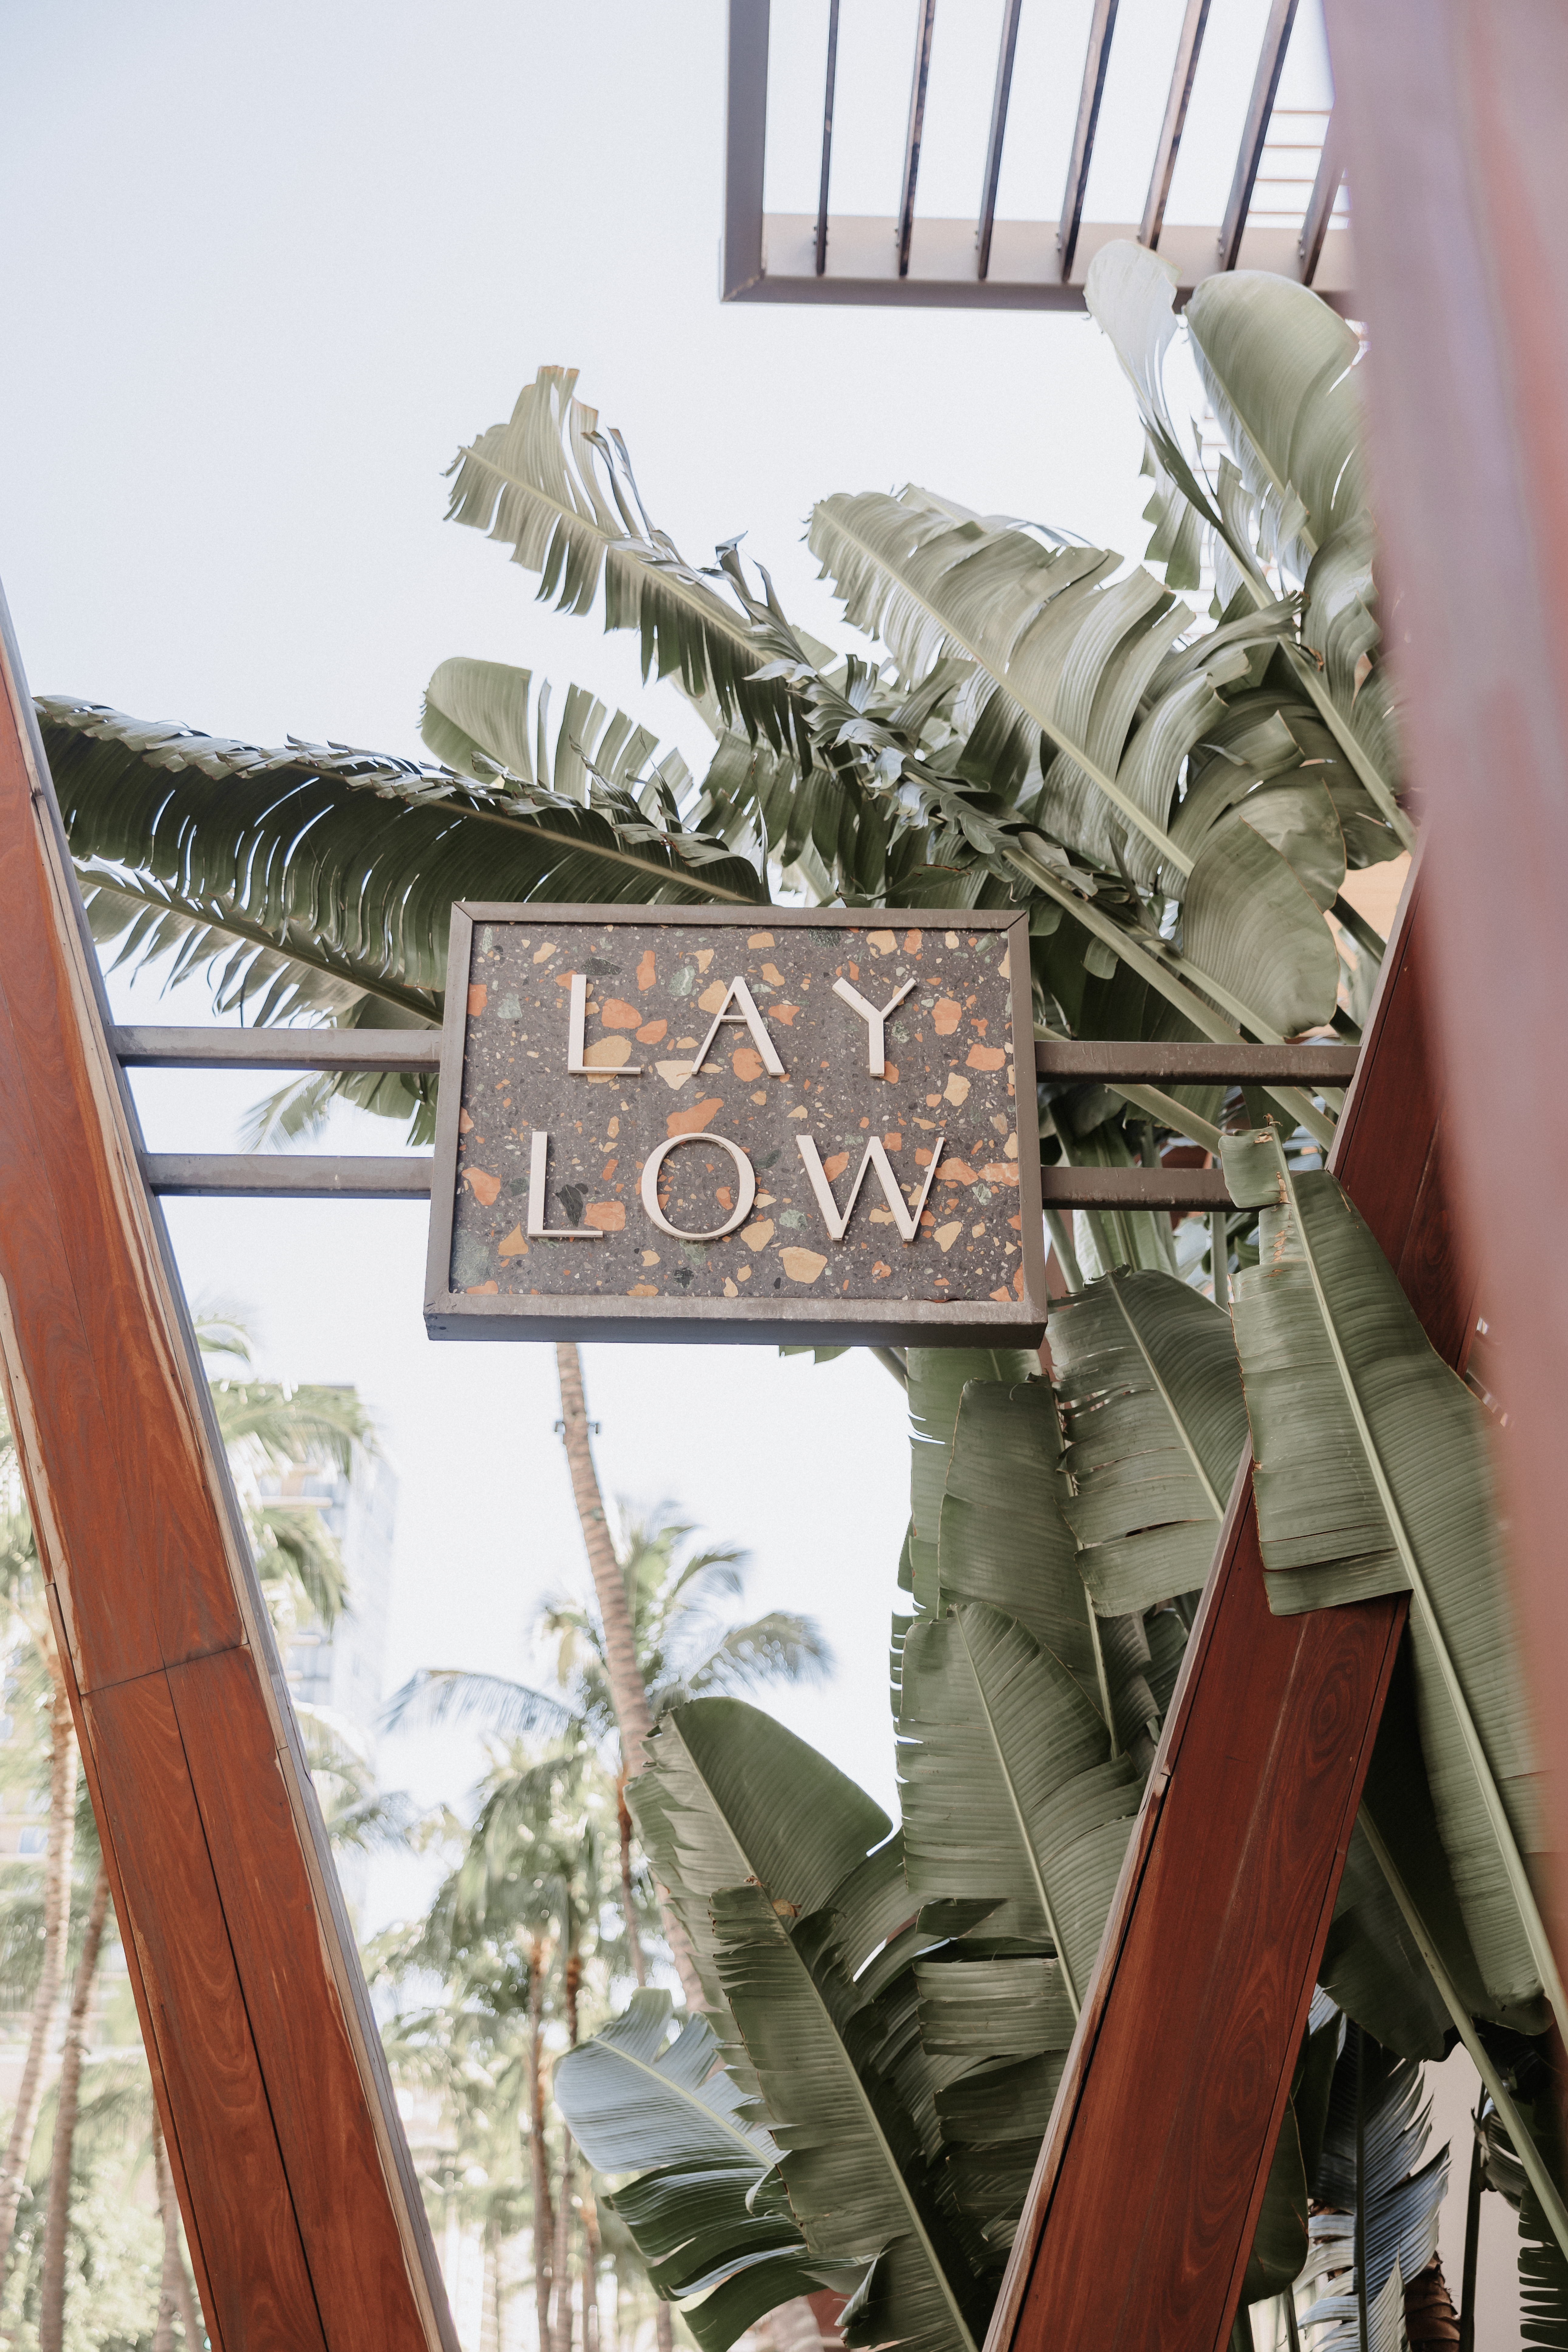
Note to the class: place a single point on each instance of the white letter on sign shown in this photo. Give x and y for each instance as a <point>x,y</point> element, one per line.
<point>576,1068</point>
<point>650,1186</point>
<point>907,1220</point>
<point>739,994</point>
<point>873,1020</point>
<point>538,1231</point>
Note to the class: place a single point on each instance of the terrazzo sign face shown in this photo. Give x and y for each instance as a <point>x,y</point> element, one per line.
<point>766,1124</point>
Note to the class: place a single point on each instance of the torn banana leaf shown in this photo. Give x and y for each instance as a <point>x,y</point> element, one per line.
<point>1155,1426</point>
<point>1008,1791</point>
<point>1373,1476</point>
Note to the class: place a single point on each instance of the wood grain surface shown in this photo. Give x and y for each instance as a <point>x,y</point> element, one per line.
<point>303,2212</point>
<point>1142,2211</point>
<point>1452,117</point>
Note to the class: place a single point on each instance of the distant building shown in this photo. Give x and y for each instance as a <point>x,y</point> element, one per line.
<point>342,1669</point>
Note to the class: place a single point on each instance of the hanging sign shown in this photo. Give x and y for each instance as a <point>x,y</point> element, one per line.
<point>771,1124</point>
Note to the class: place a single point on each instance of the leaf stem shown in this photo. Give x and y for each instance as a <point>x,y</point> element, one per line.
<point>1513,2123</point>
<point>1165,984</point>
<point>1480,1765</point>
<point>1035,1870</point>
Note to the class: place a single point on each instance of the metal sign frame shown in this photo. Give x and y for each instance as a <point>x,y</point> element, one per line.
<point>451,1315</point>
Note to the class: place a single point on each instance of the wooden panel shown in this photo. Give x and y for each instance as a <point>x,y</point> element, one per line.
<point>244,2212</point>
<point>1454,119</point>
<point>300,2202</point>
<point>1181,2068</point>
<point>312,2089</point>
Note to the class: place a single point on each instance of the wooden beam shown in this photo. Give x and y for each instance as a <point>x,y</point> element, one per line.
<point>1320,203</point>
<point>745,145</point>
<point>1459,168</point>
<point>1133,1188</point>
<point>1141,2215</point>
<point>301,2206</point>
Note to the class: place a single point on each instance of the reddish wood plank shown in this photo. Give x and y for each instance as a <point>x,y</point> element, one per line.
<point>1454,118</point>
<point>148,1567</point>
<point>291,2005</point>
<point>1142,2207</point>
<point>244,2212</point>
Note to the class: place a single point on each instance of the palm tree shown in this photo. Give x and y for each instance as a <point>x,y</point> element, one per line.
<point>268,1427</point>
<point>667,1604</point>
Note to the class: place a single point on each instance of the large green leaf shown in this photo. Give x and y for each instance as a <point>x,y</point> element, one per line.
<point>539,483</point>
<point>851,2161</point>
<point>1155,1426</point>
<point>727,1796</point>
<point>1377,2107</point>
<point>631,2094</point>
<point>1252,929</point>
<point>1002,1540</point>
<point>1278,367</point>
<point>1074,669</point>
<point>346,862</point>
<point>1373,1475</point>
<point>1009,1791</point>
<point>703,2223</point>
<point>937,1379</point>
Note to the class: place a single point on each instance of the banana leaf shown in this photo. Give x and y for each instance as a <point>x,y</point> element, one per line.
<point>539,483</point>
<point>729,1796</point>
<point>1373,1475</point>
<point>856,2174</point>
<point>937,1379</point>
<point>1377,2099</point>
<point>1280,369</point>
<point>1008,1791</point>
<point>1002,1540</point>
<point>1145,1373</point>
<point>1074,668</point>
<point>630,2097</point>
<point>327,876</point>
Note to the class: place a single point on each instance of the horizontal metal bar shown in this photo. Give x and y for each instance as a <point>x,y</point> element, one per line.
<point>1133,1188</point>
<point>1086,1059</point>
<point>278,1176</point>
<point>278,1049</point>
<point>1023,267</point>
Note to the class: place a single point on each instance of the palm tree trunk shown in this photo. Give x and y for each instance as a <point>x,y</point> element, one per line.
<point>562,2340</point>
<point>663,2326</point>
<point>168,2284</point>
<point>490,2290</point>
<point>57,1923</point>
<point>590,2268</point>
<point>628,1906</point>
<point>627,1693</point>
<point>174,2288</point>
<point>52,2311</point>
<point>539,2159</point>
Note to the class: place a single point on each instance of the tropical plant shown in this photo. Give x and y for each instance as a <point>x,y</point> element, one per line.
<point>1176,803</point>
<point>269,1429</point>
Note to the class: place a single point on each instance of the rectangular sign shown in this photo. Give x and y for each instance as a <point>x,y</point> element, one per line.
<point>768,1124</point>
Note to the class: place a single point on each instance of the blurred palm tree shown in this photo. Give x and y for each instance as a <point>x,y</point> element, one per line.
<point>684,1644</point>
